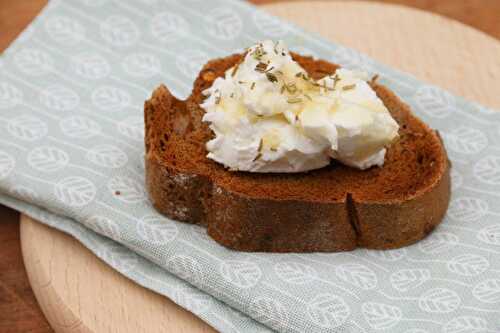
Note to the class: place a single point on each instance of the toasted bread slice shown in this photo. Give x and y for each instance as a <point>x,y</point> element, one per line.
<point>336,208</point>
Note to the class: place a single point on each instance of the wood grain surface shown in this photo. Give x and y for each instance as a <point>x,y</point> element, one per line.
<point>18,309</point>
<point>483,15</point>
<point>93,298</point>
<point>79,293</point>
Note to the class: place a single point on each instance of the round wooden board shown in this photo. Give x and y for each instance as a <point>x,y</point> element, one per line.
<point>79,293</point>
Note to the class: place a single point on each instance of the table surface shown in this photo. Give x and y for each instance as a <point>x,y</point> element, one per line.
<point>19,311</point>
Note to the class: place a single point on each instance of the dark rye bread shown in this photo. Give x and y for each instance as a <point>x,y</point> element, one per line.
<point>336,208</point>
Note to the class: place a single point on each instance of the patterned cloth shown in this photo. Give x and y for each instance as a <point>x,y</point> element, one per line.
<point>71,94</point>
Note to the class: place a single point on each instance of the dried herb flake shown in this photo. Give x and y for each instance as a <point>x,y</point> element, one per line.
<point>349,87</point>
<point>261,67</point>
<point>294,100</point>
<point>271,77</point>
<point>235,69</point>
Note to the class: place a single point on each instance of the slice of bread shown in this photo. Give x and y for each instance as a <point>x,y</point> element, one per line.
<point>336,208</point>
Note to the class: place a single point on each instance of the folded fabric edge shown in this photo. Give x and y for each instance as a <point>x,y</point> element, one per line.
<point>172,287</point>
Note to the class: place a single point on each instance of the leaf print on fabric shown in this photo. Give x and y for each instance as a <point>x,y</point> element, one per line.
<point>381,316</point>
<point>157,230</point>
<point>10,95</point>
<point>33,62</point>
<point>75,191</point>
<point>191,62</point>
<point>467,209</point>
<point>107,156</point>
<point>120,257</point>
<point>328,311</point>
<point>407,279</point>
<point>104,226</point>
<point>27,128</point>
<point>195,301</point>
<point>465,140</point>
<point>439,300</point>
<point>357,275</point>
<point>79,127</point>
<point>487,170</point>
<point>92,66</point>
<point>142,65</point>
<point>456,179</point>
<point>468,265</point>
<point>186,268</point>
<point>434,102</point>
<point>168,27</point>
<point>242,274</point>
<point>108,98</point>
<point>126,189</point>
<point>465,324</point>
<point>24,193</point>
<point>490,235</point>
<point>65,30</point>
<point>269,312</point>
<point>223,23</point>
<point>438,242</point>
<point>351,59</point>
<point>269,24</point>
<point>294,272</point>
<point>119,31</point>
<point>58,97</point>
<point>48,159</point>
<point>132,127</point>
<point>7,164</point>
<point>388,255</point>
<point>487,291</point>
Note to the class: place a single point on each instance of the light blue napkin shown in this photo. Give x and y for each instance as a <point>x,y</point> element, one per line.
<point>72,88</point>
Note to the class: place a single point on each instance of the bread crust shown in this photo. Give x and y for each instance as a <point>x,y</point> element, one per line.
<point>268,224</point>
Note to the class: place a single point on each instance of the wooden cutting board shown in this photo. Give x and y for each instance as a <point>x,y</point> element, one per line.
<point>79,293</point>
